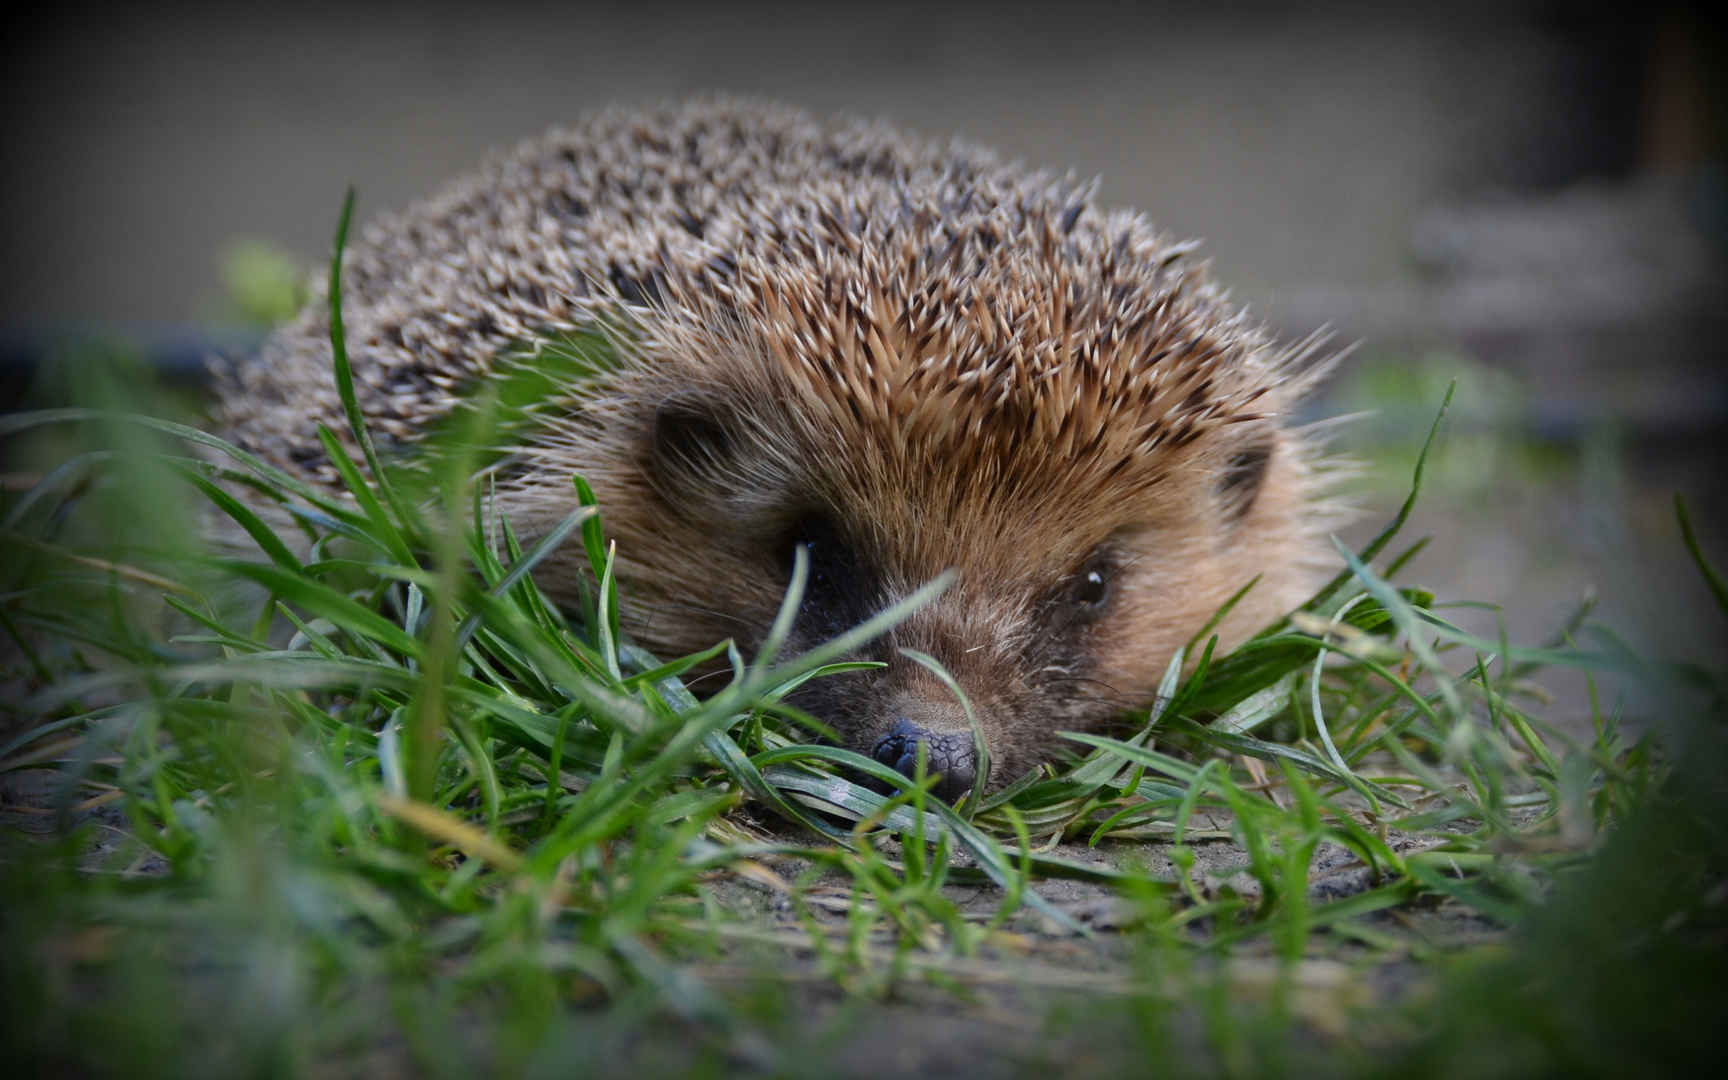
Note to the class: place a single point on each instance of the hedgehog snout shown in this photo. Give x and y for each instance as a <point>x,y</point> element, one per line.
<point>948,755</point>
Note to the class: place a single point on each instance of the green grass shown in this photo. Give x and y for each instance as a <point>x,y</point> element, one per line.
<point>361,797</point>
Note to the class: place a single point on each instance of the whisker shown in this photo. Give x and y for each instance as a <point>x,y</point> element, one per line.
<point>690,684</point>
<point>650,609</point>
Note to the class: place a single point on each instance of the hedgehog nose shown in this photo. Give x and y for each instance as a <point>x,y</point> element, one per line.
<point>948,755</point>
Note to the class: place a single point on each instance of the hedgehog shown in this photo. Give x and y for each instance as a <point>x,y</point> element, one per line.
<point>905,356</point>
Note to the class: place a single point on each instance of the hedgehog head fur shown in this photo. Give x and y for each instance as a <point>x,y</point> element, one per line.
<point>905,356</point>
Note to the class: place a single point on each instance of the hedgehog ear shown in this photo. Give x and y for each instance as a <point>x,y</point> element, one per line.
<point>1244,474</point>
<point>690,440</point>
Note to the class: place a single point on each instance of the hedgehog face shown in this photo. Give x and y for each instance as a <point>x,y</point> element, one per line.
<point>1077,579</point>
<point>1054,623</point>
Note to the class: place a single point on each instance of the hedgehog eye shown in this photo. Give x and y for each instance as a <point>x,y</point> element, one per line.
<point>688,438</point>
<point>1092,589</point>
<point>1089,590</point>
<point>1243,475</point>
<point>836,593</point>
<point>817,535</point>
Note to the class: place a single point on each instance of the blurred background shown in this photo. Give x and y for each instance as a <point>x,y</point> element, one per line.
<point>1523,197</point>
